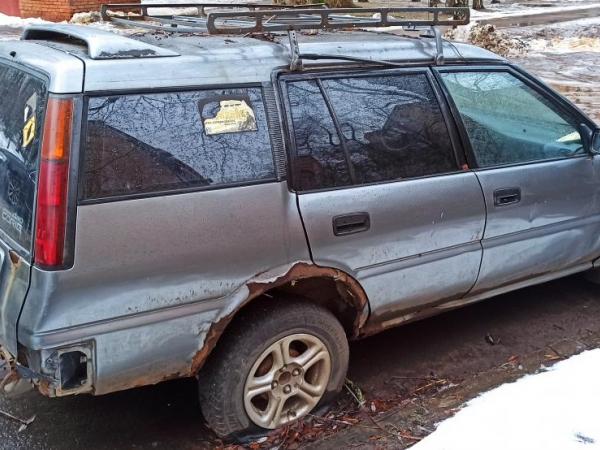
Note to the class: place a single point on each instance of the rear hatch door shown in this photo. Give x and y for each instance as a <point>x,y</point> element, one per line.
<point>23,97</point>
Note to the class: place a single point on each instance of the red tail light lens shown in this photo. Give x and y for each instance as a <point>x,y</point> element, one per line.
<point>53,183</point>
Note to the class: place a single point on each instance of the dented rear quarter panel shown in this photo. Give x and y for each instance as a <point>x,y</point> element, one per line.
<point>152,275</point>
<point>14,281</point>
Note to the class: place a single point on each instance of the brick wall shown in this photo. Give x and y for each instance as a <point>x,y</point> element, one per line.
<point>58,10</point>
<point>9,7</point>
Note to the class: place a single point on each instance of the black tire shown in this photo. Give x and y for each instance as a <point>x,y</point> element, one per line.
<point>222,380</point>
<point>592,275</point>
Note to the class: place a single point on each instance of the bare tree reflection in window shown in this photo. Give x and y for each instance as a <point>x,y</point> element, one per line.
<point>22,103</point>
<point>152,142</point>
<point>320,161</point>
<point>393,126</point>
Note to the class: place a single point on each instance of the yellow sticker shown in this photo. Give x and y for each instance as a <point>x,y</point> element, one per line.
<point>29,121</point>
<point>234,116</point>
<point>29,131</point>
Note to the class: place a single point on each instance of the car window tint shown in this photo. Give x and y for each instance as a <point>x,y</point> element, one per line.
<point>319,161</point>
<point>393,127</point>
<point>23,100</point>
<point>507,121</point>
<point>168,141</point>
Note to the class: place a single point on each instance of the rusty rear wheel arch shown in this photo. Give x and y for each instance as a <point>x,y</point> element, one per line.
<point>328,287</point>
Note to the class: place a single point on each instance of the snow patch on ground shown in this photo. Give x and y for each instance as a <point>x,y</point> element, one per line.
<point>581,35</point>
<point>93,19</point>
<point>17,22</point>
<point>573,36</point>
<point>567,45</point>
<point>520,10</point>
<point>557,409</point>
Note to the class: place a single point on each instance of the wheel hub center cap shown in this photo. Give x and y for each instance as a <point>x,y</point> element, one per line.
<point>285,378</point>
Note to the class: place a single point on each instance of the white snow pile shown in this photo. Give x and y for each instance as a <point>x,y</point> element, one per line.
<point>488,37</point>
<point>85,18</point>
<point>17,22</point>
<point>558,409</point>
<point>581,35</point>
<point>571,36</point>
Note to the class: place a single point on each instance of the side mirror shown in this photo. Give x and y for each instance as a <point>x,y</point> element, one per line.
<point>590,138</point>
<point>596,142</point>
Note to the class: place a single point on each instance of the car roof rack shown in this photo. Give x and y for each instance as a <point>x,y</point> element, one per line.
<point>247,18</point>
<point>138,16</point>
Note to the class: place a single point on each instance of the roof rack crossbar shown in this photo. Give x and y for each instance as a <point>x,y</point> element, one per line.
<point>155,27</point>
<point>257,18</point>
<point>439,46</point>
<point>329,19</point>
<point>140,10</point>
<point>179,21</point>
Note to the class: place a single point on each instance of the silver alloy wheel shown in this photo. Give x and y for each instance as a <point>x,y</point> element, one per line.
<point>287,380</point>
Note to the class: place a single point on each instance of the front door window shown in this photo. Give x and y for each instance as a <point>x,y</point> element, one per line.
<point>509,122</point>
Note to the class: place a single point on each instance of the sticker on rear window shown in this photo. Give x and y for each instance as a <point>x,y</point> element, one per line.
<point>29,120</point>
<point>233,116</point>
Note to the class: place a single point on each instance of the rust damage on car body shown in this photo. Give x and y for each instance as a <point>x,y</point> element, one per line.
<point>340,290</point>
<point>347,287</point>
<point>8,373</point>
<point>152,379</point>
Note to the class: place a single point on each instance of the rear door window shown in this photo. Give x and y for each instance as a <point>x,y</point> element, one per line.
<point>361,130</point>
<point>392,126</point>
<point>22,103</point>
<point>145,143</point>
<point>320,160</point>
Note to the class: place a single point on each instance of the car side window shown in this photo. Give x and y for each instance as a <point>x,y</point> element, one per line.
<point>319,160</point>
<point>392,126</point>
<point>147,143</point>
<point>509,122</point>
<point>360,130</point>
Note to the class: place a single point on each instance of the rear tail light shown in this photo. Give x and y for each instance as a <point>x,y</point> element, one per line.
<point>53,183</point>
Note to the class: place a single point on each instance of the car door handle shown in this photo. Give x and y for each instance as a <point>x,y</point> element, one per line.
<point>351,223</point>
<point>507,196</point>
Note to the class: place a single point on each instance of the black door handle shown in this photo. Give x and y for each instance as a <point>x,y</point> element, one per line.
<point>351,223</point>
<point>507,196</point>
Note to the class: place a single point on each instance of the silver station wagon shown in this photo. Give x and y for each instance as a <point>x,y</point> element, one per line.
<point>231,195</point>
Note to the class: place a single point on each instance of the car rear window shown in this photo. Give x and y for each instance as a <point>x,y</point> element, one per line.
<point>145,143</point>
<point>22,104</point>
